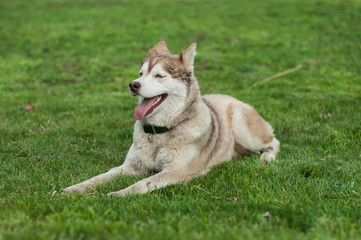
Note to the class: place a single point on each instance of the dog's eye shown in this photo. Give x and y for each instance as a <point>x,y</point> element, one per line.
<point>140,74</point>
<point>158,76</point>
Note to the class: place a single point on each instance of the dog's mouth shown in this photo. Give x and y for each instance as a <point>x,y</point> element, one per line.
<point>148,105</point>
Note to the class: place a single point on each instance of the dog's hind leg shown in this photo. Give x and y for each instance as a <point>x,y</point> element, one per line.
<point>252,133</point>
<point>270,152</point>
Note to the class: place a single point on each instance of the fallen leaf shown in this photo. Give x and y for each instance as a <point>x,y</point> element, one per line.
<point>266,215</point>
<point>29,106</point>
<point>327,116</point>
<point>118,79</point>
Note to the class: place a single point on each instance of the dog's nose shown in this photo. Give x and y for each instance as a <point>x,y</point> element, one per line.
<point>134,86</point>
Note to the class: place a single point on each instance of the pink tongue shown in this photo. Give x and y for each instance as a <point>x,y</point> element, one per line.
<point>142,109</point>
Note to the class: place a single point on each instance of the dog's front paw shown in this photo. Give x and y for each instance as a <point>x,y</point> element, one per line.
<point>122,193</point>
<point>74,189</point>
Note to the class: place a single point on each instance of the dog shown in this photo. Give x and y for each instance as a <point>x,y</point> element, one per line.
<point>180,134</point>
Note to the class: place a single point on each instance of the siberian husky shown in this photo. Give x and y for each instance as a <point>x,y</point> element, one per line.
<point>178,133</point>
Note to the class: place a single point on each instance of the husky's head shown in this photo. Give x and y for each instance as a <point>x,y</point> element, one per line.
<point>165,86</point>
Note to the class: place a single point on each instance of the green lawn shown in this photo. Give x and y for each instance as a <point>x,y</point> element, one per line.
<point>73,61</point>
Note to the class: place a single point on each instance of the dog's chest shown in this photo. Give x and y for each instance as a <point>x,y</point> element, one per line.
<point>151,150</point>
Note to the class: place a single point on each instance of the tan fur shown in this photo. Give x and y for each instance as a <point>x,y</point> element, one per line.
<point>257,125</point>
<point>204,131</point>
<point>229,117</point>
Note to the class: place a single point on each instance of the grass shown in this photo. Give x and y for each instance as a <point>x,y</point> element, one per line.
<point>73,61</point>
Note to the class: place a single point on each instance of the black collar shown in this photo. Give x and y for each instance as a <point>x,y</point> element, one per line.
<point>154,129</point>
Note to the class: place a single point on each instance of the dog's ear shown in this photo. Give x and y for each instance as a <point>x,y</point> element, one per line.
<point>159,49</point>
<point>187,56</point>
